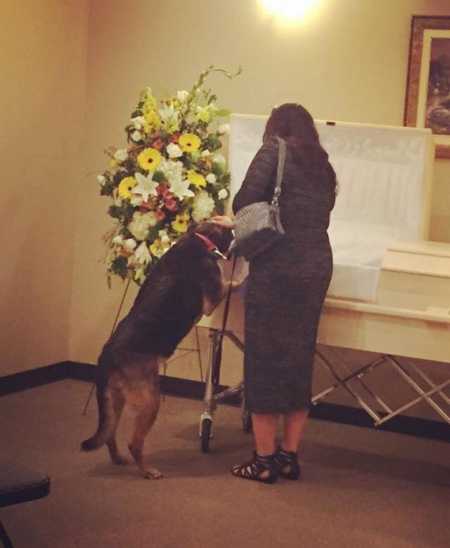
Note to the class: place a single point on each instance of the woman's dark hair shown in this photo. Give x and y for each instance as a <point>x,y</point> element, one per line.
<point>295,125</point>
<point>291,121</point>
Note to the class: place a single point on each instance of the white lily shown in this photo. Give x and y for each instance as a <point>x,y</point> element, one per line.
<point>172,170</point>
<point>180,188</point>
<point>174,174</point>
<point>139,274</point>
<point>169,117</point>
<point>146,186</point>
<point>142,254</point>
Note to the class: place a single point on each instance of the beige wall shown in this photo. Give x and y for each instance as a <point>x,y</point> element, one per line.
<point>43,60</point>
<point>348,63</point>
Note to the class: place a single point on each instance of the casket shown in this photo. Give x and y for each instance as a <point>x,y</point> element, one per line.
<point>390,290</point>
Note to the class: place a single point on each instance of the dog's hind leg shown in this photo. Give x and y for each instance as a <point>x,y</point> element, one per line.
<point>108,417</point>
<point>143,423</point>
<point>106,423</point>
<point>118,402</point>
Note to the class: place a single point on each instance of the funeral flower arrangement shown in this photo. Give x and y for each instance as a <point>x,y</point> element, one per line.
<point>171,173</point>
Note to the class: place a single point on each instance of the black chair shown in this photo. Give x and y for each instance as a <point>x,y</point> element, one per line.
<point>17,485</point>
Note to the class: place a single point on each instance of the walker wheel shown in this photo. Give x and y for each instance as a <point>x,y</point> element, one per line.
<point>205,434</point>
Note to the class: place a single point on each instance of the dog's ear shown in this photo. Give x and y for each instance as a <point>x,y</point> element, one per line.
<point>221,236</point>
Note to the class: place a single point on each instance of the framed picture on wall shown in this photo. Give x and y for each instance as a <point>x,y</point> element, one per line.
<point>428,84</point>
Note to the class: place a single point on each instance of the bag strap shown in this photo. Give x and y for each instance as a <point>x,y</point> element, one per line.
<point>280,170</point>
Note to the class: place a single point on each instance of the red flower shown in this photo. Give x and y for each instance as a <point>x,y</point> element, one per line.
<point>158,144</point>
<point>168,198</point>
<point>144,207</point>
<point>171,204</point>
<point>162,190</point>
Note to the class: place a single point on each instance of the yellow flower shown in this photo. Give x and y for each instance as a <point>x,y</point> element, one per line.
<point>150,102</point>
<point>152,120</point>
<point>196,179</point>
<point>158,248</point>
<point>149,159</point>
<point>147,97</point>
<point>125,187</point>
<point>149,110</point>
<point>189,142</point>
<point>180,224</point>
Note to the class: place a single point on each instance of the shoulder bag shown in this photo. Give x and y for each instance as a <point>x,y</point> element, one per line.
<point>258,225</point>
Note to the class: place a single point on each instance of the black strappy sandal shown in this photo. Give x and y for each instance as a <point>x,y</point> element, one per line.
<point>259,468</point>
<point>287,463</point>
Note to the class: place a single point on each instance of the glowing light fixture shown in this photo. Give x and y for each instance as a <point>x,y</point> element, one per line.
<point>289,9</point>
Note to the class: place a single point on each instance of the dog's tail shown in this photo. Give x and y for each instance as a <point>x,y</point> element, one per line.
<point>107,419</point>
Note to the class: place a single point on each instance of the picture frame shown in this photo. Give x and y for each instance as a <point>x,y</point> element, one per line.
<point>427,101</point>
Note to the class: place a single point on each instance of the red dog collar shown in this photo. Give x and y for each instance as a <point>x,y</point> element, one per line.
<point>210,246</point>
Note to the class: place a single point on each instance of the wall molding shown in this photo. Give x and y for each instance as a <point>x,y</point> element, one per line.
<point>414,426</point>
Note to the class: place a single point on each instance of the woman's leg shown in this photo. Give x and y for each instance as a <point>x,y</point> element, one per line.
<point>264,432</point>
<point>286,456</point>
<point>294,426</point>
<point>262,467</point>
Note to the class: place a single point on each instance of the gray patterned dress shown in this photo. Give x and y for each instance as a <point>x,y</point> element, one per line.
<point>286,286</point>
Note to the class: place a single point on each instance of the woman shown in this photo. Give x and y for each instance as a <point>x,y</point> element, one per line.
<point>285,291</point>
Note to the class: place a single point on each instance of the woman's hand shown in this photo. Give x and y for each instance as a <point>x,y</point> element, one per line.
<point>222,220</point>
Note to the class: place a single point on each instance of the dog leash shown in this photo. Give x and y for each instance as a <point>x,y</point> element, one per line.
<point>221,334</point>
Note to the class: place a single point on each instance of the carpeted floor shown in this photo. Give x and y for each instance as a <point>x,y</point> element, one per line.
<point>361,488</point>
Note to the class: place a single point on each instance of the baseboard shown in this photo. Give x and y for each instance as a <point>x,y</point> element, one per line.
<point>415,426</point>
<point>33,378</point>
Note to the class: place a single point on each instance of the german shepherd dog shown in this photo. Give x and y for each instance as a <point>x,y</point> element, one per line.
<point>185,283</point>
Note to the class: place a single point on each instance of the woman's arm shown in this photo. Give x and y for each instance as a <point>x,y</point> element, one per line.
<point>259,181</point>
